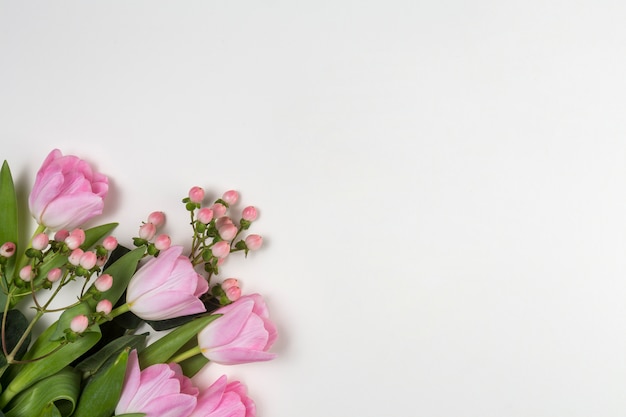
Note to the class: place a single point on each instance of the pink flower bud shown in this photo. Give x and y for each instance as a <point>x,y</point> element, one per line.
<point>221,249</point>
<point>231,288</point>
<point>249,213</point>
<point>61,235</point>
<point>109,243</point>
<point>205,215</point>
<point>147,231</point>
<point>88,260</point>
<point>228,232</point>
<point>254,242</point>
<point>7,249</point>
<point>104,306</point>
<point>101,261</point>
<point>218,210</point>
<point>54,274</point>
<point>162,242</point>
<point>40,241</point>
<point>231,197</point>
<point>75,239</point>
<point>157,218</point>
<point>75,256</point>
<point>223,221</point>
<point>79,323</point>
<point>26,273</point>
<point>196,195</point>
<point>103,283</point>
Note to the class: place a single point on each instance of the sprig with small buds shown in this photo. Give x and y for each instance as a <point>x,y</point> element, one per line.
<point>215,234</point>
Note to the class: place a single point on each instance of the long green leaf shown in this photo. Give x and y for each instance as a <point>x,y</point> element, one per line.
<point>164,348</point>
<point>59,391</point>
<point>8,220</point>
<point>91,365</point>
<point>103,390</point>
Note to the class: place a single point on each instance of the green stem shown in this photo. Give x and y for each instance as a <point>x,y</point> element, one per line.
<point>186,355</point>
<point>124,308</point>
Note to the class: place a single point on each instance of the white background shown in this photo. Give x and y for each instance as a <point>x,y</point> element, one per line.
<point>441,183</point>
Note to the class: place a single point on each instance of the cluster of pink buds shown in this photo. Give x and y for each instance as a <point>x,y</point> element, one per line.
<point>216,232</point>
<point>80,262</point>
<point>148,234</point>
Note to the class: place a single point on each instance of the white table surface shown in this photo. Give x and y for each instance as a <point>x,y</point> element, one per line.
<point>442,185</point>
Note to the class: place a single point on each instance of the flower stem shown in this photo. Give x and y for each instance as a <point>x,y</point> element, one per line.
<point>186,355</point>
<point>116,312</point>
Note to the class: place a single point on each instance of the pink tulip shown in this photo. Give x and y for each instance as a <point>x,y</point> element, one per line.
<point>242,334</point>
<point>166,287</point>
<point>224,399</point>
<point>67,192</point>
<point>158,391</point>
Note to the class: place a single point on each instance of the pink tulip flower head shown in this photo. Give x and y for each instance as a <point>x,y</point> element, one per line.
<point>166,287</point>
<point>158,391</point>
<point>242,334</point>
<point>67,192</point>
<point>223,399</point>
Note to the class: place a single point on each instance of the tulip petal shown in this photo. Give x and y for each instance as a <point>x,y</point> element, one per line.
<point>71,210</point>
<point>236,356</point>
<point>226,328</point>
<point>161,305</point>
<point>131,381</point>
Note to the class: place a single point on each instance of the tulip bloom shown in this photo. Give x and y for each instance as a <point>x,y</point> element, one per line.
<point>67,192</point>
<point>222,399</point>
<point>158,391</point>
<point>242,334</point>
<point>166,287</point>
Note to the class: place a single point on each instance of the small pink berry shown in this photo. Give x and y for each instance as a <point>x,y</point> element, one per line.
<point>205,215</point>
<point>75,239</point>
<point>26,273</point>
<point>40,241</point>
<point>103,283</point>
<point>104,306</point>
<point>223,221</point>
<point>218,210</point>
<point>231,288</point>
<point>79,323</point>
<point>61,235</point>
<point>101,261</point>
<point>228,232</point>
<point>7,249</point>
<point>249,213</point>
<point>75,256</point>
<point>162,242</point>
<point>221,249</point>
<point>88,260</point>
<point>147,231</point>
<point>109,243</point>
<point>54,274</point>
<point>253,242</point>
<point>157,218</point>
<point>230,197</point>
<point>196,195</point>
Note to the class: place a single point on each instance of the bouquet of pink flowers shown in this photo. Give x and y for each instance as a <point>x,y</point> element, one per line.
<point>95,360</point>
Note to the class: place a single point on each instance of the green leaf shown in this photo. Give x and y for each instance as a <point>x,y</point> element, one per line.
<point>122,271</point>
<point>50,411</point>
<point>103,390</point>
<point>16,325</point>
<point>164,348</point>
<point>193,365</point>
<point>91,365</point>
<point>59,391</point>
<point>54,356</point>
<point>8,219</point>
